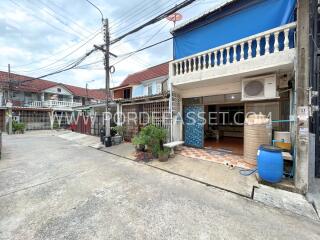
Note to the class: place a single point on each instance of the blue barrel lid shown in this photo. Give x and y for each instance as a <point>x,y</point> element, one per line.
<point>270,148</point>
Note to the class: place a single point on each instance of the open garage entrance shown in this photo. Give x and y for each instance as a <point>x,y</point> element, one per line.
<point>224,128</point>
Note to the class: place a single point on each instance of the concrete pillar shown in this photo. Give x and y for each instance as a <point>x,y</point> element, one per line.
<point>42,97</point>
<point>119,114</point>
<point>51,119</point>
<point>9,120</point>
<point>177,121</point>
<point>301,97</point>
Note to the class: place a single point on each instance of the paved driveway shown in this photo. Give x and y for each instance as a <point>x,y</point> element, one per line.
<point>53,189</point>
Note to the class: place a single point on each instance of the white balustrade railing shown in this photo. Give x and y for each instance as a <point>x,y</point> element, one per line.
<point>35,104</point>
<point>54,104</point>
<point>265,43</point>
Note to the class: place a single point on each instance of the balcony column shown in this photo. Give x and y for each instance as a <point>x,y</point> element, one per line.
<point>234,53</point>
<point>286,39</point>
<point>42,97</point>
<point>267,47</point>
<point>258,51</point>
<point>228,56</point>
<point>241,51</point>
<point>249,49</point>
<point>215,58</point>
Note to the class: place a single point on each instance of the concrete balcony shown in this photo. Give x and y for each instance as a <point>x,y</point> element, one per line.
<point>269,51</point>
<point>54,104</point>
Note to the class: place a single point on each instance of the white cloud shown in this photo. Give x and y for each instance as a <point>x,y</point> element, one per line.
<point>25,39</point>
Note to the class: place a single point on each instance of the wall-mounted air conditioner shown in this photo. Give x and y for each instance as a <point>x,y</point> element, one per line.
<point>259,88</point>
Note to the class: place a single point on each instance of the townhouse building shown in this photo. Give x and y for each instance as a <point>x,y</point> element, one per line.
<point>244,56</point>
<point>31,101</point>
<point>146,92</point>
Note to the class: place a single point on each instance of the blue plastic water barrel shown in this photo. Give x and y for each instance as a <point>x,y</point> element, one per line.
<point>270,163</point>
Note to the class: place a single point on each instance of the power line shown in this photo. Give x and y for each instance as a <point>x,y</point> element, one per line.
<point>152,21</point>
<point>156,19</point>
<point>53,15</point>
<point>42,20</point>
<point>52,63</point>
<point>127,55</point>
<point>141,10</point>
<point>66,15</point>
<point>66,68</point>
<point>144,48</point>
<point>139,21</point>
<point>133,12</point>
<point>56,54</point>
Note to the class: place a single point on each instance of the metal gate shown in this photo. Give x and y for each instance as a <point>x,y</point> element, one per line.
<point>314,77</point>
<point>83,125</point>
<point>193,126</point>
<point>97,125</point>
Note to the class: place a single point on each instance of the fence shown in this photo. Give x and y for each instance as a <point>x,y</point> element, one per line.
<point>155,112</point>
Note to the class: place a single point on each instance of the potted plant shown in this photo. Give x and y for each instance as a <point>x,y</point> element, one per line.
<point>18,127</point>
<point>153,137</point>
<point>117,134</point>
<point>139,143</point>
<point>163,155</point>
<point>120,130</point>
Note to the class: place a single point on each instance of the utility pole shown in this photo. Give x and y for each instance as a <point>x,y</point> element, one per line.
<point>9,113</point>
<point>9,81</point>
<point>107,70</point>
<point>302,98</point>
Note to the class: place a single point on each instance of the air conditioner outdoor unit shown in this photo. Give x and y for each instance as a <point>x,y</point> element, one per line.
<point>259,88</point>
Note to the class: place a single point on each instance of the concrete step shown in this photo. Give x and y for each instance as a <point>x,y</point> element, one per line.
<point>289,201</point>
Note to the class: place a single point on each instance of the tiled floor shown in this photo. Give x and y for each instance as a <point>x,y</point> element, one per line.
<point>231,144</point>
<point>215,156</point>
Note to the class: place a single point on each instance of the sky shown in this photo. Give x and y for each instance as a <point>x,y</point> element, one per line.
<point>42,36</point>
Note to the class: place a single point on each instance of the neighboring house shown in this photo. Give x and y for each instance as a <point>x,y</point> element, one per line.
<point>147,82</point>
<point>32,99</point>
<point>144,91</point>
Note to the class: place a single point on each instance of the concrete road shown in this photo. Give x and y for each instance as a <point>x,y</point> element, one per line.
<point>53,189</point>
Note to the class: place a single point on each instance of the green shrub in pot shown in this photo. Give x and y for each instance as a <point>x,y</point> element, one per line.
<point>153,137</point>
<point>18,127</point>
<point>163,155</point>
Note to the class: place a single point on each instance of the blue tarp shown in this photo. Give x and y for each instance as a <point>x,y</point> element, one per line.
<point>259,17</point>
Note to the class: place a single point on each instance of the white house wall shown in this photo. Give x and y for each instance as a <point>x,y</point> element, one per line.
<point>213,89</point>
<point>54,90</point>
<point>142,89</point>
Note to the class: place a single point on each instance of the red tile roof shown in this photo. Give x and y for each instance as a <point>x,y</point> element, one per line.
<point>30,84</point>
<point>149,73</point>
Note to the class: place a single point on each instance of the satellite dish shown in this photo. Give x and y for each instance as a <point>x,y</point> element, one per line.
<point>174,18</point>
